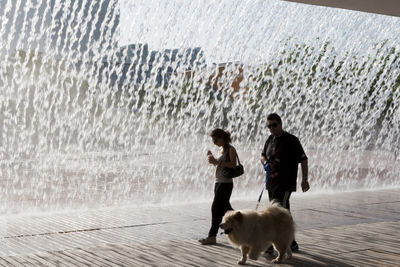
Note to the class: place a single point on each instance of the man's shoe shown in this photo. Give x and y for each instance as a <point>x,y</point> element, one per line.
<point>270,250</point>
<point>294,246</point>
<point>211,240</point>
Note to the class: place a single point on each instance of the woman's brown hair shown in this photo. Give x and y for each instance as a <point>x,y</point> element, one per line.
<point>219,133</point>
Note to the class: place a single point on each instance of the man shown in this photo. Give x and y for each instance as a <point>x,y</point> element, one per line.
<point>281,155</point>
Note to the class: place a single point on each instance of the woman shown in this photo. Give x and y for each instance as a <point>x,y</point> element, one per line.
<point>223,184</point>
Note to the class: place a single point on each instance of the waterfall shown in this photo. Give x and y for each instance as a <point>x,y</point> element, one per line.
<point>108,103</point>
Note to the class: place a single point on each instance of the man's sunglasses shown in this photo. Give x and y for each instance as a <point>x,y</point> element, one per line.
<point>272,125</point>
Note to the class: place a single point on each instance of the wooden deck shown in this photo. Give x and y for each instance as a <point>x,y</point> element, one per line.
<point>373,242</point>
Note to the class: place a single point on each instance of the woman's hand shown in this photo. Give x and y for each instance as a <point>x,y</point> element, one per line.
<point>212,160</point>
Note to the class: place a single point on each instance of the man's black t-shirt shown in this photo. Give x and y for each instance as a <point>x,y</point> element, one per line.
<point>283,153</point>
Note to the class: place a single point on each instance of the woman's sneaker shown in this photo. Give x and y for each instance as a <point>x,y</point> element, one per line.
<point>211,240</point>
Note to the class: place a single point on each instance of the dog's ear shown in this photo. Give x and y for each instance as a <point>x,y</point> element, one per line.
<point>238,216</point>
<point>228,212</point>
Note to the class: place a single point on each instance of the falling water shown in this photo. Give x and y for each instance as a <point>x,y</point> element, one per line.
<point>102,107</point>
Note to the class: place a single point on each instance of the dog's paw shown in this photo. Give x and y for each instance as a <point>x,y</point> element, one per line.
<point>276,261</point>
<point>242,262</point>
<point>254,255</point>
<point>288,254</point>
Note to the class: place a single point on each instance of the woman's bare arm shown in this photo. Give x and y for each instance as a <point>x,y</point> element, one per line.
<point>232,157</point>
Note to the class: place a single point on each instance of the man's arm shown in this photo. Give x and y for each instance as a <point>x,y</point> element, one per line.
<point>263,158</point>
<point>305,186</point>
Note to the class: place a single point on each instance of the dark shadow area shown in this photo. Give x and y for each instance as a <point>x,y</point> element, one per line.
<point>311,260</point>
<point>307,259</point>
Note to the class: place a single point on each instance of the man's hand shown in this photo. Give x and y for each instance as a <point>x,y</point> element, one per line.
<point>263,160</point>
<point>305,186</point>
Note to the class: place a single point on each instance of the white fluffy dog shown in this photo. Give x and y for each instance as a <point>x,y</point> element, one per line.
<point>254,232</point>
